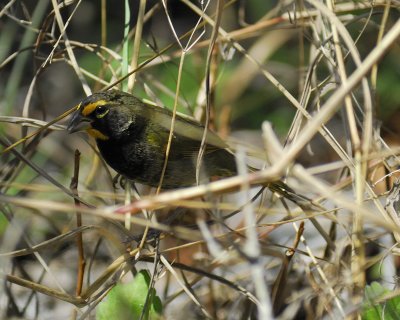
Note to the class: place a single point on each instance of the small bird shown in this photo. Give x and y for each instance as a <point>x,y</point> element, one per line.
<point>132,137</point>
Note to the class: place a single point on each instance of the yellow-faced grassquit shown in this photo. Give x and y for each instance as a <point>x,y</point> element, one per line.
<point>133,136</point>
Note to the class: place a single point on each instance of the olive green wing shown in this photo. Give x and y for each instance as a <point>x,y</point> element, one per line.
<point>183,126</point>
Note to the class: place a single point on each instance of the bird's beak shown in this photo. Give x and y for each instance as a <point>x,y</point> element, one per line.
<point>78,123</point>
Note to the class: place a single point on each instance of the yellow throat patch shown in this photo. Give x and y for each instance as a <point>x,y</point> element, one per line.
<point>96,134</point>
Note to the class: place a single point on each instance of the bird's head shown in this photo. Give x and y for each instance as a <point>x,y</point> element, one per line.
<point>102,115</point>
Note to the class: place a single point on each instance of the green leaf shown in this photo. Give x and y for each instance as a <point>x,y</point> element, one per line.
<point>127,301</point>
<point>388,310</point>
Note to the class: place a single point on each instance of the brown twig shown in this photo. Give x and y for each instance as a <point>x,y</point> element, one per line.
<point>79,241</point>
<point>278,289</point>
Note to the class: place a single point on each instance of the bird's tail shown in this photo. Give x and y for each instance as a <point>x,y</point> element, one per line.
<point>288,193</point>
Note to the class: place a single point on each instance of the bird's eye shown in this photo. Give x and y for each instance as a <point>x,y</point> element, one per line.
<point>101,111</point>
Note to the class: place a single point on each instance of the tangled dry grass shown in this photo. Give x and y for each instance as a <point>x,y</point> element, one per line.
<point>324,73</point>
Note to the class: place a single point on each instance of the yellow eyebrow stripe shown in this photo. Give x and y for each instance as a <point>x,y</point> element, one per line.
<point>88,109</point>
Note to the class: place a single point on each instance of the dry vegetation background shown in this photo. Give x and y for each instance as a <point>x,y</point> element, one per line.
<point>311,88</point>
